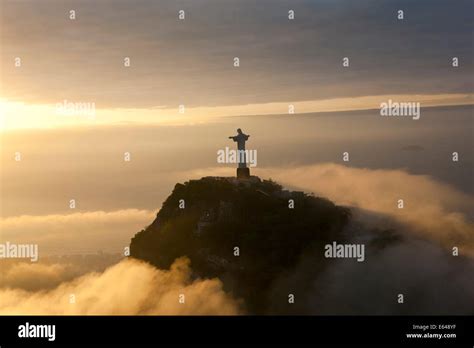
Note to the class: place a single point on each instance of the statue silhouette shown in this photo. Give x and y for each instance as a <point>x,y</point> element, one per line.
<point>240,139</point>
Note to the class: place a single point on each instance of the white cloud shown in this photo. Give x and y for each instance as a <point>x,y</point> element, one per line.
<point>128,288</point>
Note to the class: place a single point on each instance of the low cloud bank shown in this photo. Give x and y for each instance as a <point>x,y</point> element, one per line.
<point>417,263</point>
<point>127,288</point>
<point>432,209</point>
<point>83,232</point>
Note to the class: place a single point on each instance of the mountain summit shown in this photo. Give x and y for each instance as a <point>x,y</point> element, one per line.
<point>245,232</point>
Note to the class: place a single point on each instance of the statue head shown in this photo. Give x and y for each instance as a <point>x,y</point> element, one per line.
<point>239,131</point>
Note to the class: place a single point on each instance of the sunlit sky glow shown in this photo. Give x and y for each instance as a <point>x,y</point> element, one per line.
<point>190,62</point>
<point>17,115</point>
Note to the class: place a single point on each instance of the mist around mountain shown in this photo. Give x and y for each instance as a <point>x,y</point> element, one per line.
<point>267,247</point>
<point>246,233</point>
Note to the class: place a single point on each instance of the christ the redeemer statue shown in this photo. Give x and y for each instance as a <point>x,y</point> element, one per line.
<point>240,139</point>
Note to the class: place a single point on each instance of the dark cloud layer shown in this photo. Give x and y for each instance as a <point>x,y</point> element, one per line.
<point>190,61</point>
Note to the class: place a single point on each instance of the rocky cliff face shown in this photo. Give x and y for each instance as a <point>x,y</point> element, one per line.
<point>244,232</point>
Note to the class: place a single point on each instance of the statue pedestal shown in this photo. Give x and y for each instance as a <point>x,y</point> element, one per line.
<point>243,173</point>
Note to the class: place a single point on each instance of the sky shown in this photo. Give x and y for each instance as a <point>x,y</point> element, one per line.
<point>190,62</point>
<point>115,199</point>
<point>76,154</point>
